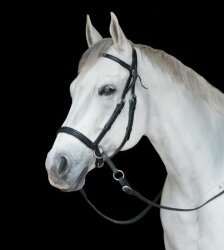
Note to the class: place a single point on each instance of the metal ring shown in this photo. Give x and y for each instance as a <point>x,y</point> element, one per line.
<point>103,150</point>
<point>97,157</point>
<point>118,178</point>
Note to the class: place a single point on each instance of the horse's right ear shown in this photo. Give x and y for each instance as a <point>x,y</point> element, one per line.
<point>92,35</point>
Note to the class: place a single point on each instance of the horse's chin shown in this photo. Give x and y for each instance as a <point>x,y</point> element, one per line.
<point>73,185</point>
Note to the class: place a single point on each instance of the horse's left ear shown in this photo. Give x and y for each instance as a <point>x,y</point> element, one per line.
<point>121,43</point>
<point>92,35</point>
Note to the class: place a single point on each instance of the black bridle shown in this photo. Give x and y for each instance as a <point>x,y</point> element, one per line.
<point>101,155</point>
<point>130,85</point>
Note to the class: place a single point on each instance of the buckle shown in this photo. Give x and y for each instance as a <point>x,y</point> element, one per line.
<point>134,73</point>
<point>133,99</point>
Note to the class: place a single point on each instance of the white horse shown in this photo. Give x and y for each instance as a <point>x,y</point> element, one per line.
<point>180,113</point>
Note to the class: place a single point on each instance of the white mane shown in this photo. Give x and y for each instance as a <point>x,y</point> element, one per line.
<point>182,74</point>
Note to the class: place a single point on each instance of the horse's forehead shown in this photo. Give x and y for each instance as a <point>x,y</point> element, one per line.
<point>106,66</point>
<point>103,69</point>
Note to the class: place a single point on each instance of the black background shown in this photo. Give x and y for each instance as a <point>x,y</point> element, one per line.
<point>48,41</point>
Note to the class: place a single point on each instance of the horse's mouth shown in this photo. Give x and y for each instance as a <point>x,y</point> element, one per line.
<point>78,183</point>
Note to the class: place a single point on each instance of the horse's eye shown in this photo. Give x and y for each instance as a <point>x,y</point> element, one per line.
<point>107,90</point>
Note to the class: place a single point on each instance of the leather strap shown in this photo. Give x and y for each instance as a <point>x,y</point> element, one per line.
<point>111,121</point>
<point>126,187</point>
<point>119,176</point>
<point>122,63</point>
<point>120,222</point>
<point>149,202</point>
<point>77,134</point>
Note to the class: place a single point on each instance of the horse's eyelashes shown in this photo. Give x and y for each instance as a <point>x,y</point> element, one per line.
<point>107,90</point>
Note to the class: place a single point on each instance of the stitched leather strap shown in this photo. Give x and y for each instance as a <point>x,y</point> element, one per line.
<point>130,85</point>
<point>78,135</point>
<point>122,63</point>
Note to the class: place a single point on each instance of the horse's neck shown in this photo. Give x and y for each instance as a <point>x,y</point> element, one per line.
<point>186,132</point>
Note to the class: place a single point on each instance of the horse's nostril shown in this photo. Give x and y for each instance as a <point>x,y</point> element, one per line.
<point>63,167</point>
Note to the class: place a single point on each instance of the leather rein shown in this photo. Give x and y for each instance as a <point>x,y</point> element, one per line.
<point>102,157</point>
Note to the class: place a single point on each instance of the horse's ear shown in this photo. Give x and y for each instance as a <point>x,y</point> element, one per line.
<point>121,43</point>
<point>92,35</point>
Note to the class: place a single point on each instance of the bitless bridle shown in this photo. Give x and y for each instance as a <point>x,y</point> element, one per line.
<point>100,153</point>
